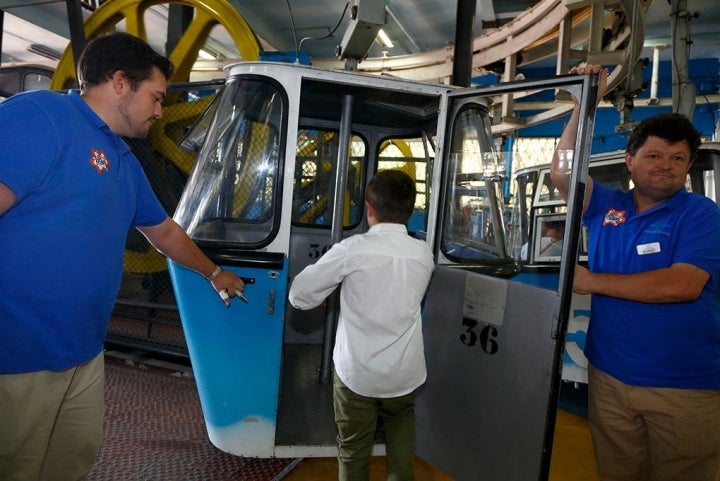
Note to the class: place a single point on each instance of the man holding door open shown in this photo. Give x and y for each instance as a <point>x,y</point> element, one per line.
<point>653,341</point>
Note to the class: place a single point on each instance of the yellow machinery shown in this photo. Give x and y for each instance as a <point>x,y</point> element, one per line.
<point>178,115</point>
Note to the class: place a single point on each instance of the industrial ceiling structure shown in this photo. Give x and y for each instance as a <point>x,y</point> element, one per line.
<point>36,30</point>
<point>424,40</point>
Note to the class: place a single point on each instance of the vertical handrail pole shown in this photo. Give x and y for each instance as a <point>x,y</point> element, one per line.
<point>336,233</point>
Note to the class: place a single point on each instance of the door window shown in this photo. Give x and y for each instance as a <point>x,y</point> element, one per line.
<point>232,195</point>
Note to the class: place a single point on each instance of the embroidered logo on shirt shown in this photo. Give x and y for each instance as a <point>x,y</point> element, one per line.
<point>99,161</point>
<point>614,217</point>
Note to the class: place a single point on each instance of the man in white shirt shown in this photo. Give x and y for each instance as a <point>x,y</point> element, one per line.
<point>379,355</point>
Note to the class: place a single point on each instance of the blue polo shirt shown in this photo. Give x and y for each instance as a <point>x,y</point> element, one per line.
<point>79,190</point>
<point>655,345</point>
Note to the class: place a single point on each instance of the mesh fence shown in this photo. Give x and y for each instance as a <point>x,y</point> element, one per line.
<point>145,313</point>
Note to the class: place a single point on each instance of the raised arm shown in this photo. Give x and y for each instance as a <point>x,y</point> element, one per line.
<point>567,140</point>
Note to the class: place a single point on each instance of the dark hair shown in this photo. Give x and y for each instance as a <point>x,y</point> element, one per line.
<point>108,53</point>
<point>392,193</point>
<point>555,224</point>
<point>672,127</point>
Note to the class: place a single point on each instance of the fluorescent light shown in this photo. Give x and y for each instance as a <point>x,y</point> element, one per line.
<point>204,54</point>
<point>45,51</point>
<point>384,40</point>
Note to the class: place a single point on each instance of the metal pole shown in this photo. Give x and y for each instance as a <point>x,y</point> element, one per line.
<point>336,234</point>
<point>653,100</point>
<point>77,29</point>
<point>2,29</point>
<point>683,92</point>
<point>462,58</point>
<point>179,17</point>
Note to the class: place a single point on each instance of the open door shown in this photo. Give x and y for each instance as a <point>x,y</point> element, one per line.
<point>494,341</point>
<point>231,207</point>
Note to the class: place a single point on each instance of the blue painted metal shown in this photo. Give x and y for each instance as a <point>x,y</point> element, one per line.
<point>236,354</point>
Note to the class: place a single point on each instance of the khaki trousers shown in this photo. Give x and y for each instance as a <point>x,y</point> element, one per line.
<point>658,434</point>
<point>357,417</point>
<point>51,422</point>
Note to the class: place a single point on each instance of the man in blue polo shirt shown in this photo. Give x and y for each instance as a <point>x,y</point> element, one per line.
<point>653,341</point>
<point>70,189</point>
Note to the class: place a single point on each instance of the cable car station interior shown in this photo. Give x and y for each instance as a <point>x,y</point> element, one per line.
<point>277,116</point>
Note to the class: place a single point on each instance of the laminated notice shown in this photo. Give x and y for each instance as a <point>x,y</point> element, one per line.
<point>485,299</point>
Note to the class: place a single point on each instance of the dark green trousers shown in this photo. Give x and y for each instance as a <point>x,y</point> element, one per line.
<point>357,418</point>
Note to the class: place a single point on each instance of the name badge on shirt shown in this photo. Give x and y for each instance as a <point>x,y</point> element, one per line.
<point>651,248</point>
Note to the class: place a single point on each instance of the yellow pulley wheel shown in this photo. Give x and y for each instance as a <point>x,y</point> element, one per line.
<point>164,135</point>
<point>404,149</point>
<point>208,13</point>
<point>401,145</point>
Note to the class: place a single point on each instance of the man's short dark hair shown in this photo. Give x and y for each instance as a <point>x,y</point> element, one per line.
<point>108,53</point>
<point>392,193</point>
<point>555,224</point>
<point>672,127</point>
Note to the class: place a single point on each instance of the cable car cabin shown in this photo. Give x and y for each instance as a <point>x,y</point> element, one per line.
<point>22,78</point>
<point>539,214</point>
<point>280,178</point>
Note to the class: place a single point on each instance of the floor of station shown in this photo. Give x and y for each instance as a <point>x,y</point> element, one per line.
<point>154,430</point>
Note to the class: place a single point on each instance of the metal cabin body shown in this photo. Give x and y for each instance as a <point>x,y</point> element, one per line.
<point>281,177</point>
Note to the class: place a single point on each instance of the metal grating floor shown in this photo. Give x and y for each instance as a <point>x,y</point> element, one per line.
<point>305,411</point>
<point>154,430</point>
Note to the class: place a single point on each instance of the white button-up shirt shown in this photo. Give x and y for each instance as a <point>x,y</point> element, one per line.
<point>384,274</point>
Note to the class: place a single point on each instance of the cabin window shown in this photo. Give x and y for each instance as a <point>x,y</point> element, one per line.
<point>315,173</point>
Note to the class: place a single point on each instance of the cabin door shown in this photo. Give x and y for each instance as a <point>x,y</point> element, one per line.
<point>493,345</point>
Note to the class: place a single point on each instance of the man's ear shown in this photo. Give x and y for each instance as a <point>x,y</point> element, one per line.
<point>372,220</point>
<point>119,81</point>
<point>628,161</point>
